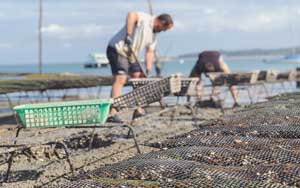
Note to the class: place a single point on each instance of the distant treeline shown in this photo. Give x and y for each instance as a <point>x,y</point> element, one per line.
<point>251,52</point>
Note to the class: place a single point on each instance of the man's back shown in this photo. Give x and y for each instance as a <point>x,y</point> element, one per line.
<point>209,61</point>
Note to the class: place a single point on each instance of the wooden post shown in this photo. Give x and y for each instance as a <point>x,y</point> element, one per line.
<point>40,40</point>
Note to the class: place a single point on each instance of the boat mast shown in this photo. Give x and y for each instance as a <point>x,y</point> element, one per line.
<point>40,37</point>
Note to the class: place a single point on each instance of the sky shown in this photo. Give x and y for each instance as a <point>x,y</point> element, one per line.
<point>74,28</point>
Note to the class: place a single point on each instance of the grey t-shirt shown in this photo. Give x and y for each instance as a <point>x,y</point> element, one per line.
<point>143,36</point>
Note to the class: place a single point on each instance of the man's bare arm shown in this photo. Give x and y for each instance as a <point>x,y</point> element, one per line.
<point>131,21</point>
<point>149,59</point>
<point>224,67</point>
<point>199,90</point>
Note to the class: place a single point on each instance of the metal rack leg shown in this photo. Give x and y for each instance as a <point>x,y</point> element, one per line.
<point>266,90</point>
<point>134,137</point>
<point>194,112</point>
<point>92,140</point>
<point>67,154</point>
<point>174,111</point>
<point>10,160</point>
<point>250,95</point>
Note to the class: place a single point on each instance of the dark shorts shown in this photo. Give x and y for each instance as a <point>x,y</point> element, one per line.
<point>119,64</point>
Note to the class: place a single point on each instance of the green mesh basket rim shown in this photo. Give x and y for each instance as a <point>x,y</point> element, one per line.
<point>63,104</point>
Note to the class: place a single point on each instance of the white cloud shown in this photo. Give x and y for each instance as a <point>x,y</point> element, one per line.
<point>241,19</point>
<point>68,45</point>
<point>75,32</point>
<point>2,15</point>
<point>6,45</point>
<point>209,11</point>
<point>179,25</point>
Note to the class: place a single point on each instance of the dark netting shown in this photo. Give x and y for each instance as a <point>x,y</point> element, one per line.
<point>283,115</point>
<point>285,174</point>
<point>260,151</point>
<point>254,131</point>
<point>221,183</point>
<point>290,97</point>
<point>156,170</point>
<point>224,156</point>
<point>220,79</point>
<point>187,183</point>
<point>192,172</point>
<point>208,155</point>
<point>277,111</point>
<point>150,93</point>
<point>246,143</point>
<point>108,183</point>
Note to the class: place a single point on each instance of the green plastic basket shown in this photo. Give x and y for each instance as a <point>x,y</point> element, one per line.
<point>62,114</point>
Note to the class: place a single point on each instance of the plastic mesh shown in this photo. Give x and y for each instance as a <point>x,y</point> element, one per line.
<point>220,79</point>
<point>156,169</point>
<point>254,131</point>
<point>187,183</point>
<point>281,115</point>
<point>246,143</point>
<point>279,111</point>
<point>193,173</point>
<point>108,183</point>
<point>224,156</point>
<point>188,85</point>
<point>221,183</point>
<point>260,151</point>
<point>149,93</point>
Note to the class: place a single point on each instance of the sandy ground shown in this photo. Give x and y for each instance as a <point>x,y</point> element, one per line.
<point>41,166</point>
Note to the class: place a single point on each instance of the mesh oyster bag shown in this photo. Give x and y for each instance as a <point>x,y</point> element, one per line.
<point>224,156</point>
<point>192,174</point>
<point>254,131</point>
<point>246,143</point>
<point>187,183</point>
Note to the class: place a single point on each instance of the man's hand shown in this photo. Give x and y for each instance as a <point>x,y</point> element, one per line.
<point>128,40</point>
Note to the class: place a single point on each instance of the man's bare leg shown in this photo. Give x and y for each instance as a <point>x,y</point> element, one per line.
<point>119,82</point>
<point>233,92</point>
<point>213,92</point>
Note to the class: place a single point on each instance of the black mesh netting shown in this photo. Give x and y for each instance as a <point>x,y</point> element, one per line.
<point>188,183</point>
<point>283,115</point>
<point>246,143</point>
<point>166,170</point>
<point>278,111</point>
<point>254,131</point>
<point>224,156</point>
<point>108,183</point>
<point>253,147</point>
<point>156,169</point>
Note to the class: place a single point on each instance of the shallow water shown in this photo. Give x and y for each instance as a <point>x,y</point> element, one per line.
<point>236,65</point>
<point>245,65</point>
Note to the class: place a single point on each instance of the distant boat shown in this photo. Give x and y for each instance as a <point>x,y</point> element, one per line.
<point>293,58</point>
<point>164,59</point>
<point>181,61</point>
<point>97,60</point>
